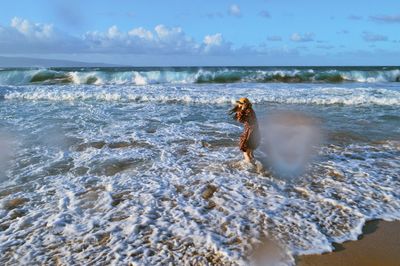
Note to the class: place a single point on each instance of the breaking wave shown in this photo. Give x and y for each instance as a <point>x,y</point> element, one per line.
<point>190,75</point>
<point>206,94</point>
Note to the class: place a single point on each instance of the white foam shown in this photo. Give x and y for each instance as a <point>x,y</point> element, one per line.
<point>125,183</point>
<point>211,94</point>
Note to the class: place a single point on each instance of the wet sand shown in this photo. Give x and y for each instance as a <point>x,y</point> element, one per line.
<point>379,245</point>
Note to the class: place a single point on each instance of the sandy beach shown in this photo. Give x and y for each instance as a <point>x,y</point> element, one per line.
<point>379,245</point>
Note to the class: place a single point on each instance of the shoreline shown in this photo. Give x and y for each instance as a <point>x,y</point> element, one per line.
<point>379,244</point>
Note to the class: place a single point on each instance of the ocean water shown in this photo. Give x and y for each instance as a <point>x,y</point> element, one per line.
<point>142,166</point>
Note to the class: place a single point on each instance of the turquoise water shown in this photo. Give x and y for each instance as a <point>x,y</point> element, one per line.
<point>190,75</point>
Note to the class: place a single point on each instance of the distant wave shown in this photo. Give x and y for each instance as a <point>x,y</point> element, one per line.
<point>190,75</point>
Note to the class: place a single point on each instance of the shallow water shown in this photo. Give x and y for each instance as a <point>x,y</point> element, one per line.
<point>152,174</point>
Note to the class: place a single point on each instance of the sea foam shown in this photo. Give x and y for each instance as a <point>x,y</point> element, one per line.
<point>205,94</point>
<point>152,174</point>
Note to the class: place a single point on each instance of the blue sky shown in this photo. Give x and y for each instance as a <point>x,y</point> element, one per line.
<point>219,32</point>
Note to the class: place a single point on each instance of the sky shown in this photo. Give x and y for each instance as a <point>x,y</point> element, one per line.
<point>201,32</point>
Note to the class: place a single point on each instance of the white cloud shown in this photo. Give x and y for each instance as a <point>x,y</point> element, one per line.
<point>24,36</point>
<point>160,40</point>
<point>234,10</point>
<point>113,32</point>
<point>32,30</point>
<point>211,40</point>
<point>141,33</point>
<point>306,37</point>
<point>215,44</point>
<point>165,33</point>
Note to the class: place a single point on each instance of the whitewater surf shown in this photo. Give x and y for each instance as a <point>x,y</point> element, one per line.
<point>139,165</point>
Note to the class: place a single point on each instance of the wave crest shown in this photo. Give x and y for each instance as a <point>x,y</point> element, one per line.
<point>143,76</point>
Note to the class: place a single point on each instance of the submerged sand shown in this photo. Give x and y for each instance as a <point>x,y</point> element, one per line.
<point>378,245</point>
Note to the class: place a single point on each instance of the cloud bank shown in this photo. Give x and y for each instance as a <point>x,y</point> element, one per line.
<point>164,45</point>
<point>23,36</point>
